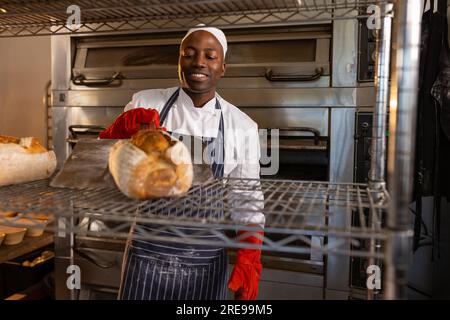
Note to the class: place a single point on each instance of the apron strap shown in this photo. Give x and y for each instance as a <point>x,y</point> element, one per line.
<point>219,159</point>
<point>219,142</point>
<point>442,7</point>
<point>168,105</point>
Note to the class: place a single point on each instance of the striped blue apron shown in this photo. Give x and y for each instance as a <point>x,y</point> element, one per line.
<point>154,270</point>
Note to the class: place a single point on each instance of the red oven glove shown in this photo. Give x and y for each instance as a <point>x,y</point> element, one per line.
<point>246,273</point>
<point>130,122</point>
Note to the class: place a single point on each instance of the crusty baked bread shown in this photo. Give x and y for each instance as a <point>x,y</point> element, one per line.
<point>151,164</point>
<point>9,139</point>
<point>24,160</point>
<point>7,214</point>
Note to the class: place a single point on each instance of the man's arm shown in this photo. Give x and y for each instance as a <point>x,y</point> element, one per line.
<point>247,201</point>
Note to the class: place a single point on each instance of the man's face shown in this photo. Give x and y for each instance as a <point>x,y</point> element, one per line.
<point>200,65</point>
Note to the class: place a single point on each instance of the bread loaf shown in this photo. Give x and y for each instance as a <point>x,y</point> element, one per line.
<point>24,160</point>
<point>151,164</point>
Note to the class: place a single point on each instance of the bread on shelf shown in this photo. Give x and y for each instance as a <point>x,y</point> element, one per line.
<point>151,164</point>
<point>24,160</point>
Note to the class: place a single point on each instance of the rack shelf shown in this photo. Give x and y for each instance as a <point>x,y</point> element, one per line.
<point>294,210</point>
<point>28,18</point>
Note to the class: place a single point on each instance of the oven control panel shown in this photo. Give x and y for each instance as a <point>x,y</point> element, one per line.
<point>367,52</point>
<point>363,140</point>
<point>362,146</point>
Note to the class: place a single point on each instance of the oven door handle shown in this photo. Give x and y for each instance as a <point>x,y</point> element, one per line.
<point>101,264</point>
<point>87,129</point>
<point>299,78</point>
<point>80,80</point>
<point>315,132</point>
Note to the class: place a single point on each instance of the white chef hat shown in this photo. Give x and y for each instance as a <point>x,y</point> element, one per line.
<point>220,36</point>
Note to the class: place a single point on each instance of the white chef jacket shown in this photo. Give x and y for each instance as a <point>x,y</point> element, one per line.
<point>242,147</point>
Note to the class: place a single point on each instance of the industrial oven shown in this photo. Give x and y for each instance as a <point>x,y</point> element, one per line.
<point>282,77</point>
<point>301,67</point>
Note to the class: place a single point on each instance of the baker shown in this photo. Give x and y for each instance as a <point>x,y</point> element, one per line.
<point>157,270</point>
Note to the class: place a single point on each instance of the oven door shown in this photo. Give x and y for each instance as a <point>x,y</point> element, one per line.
<point>303,154</point>
<point>265,57</point>
<point>300,157</point>
<point>86,131</point>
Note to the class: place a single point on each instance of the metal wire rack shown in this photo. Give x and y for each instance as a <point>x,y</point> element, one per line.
<point>25,18</point>
<point>307,207</point>
<point>295,210</point>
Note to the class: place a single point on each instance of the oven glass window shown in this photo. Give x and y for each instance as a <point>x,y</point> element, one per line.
<point>132,56</point>
<point>238,53</point>
<point>303,50</point>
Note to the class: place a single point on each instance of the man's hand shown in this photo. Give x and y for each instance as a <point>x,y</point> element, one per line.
<point>244,279</point>
<point>130,122</point>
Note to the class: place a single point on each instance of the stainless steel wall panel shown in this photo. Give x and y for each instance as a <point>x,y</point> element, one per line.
<point>278,97</point>
<point>61,62</point>
<point>341,170</point>
<point>342,144</point>
<point>365,96</point>
<point>301,97</point>
<point>225,83</point>
<point>345,52</point>
<point>61,121</point>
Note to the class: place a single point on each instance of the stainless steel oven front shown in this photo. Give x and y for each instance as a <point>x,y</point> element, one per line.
<point>298,79</point>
